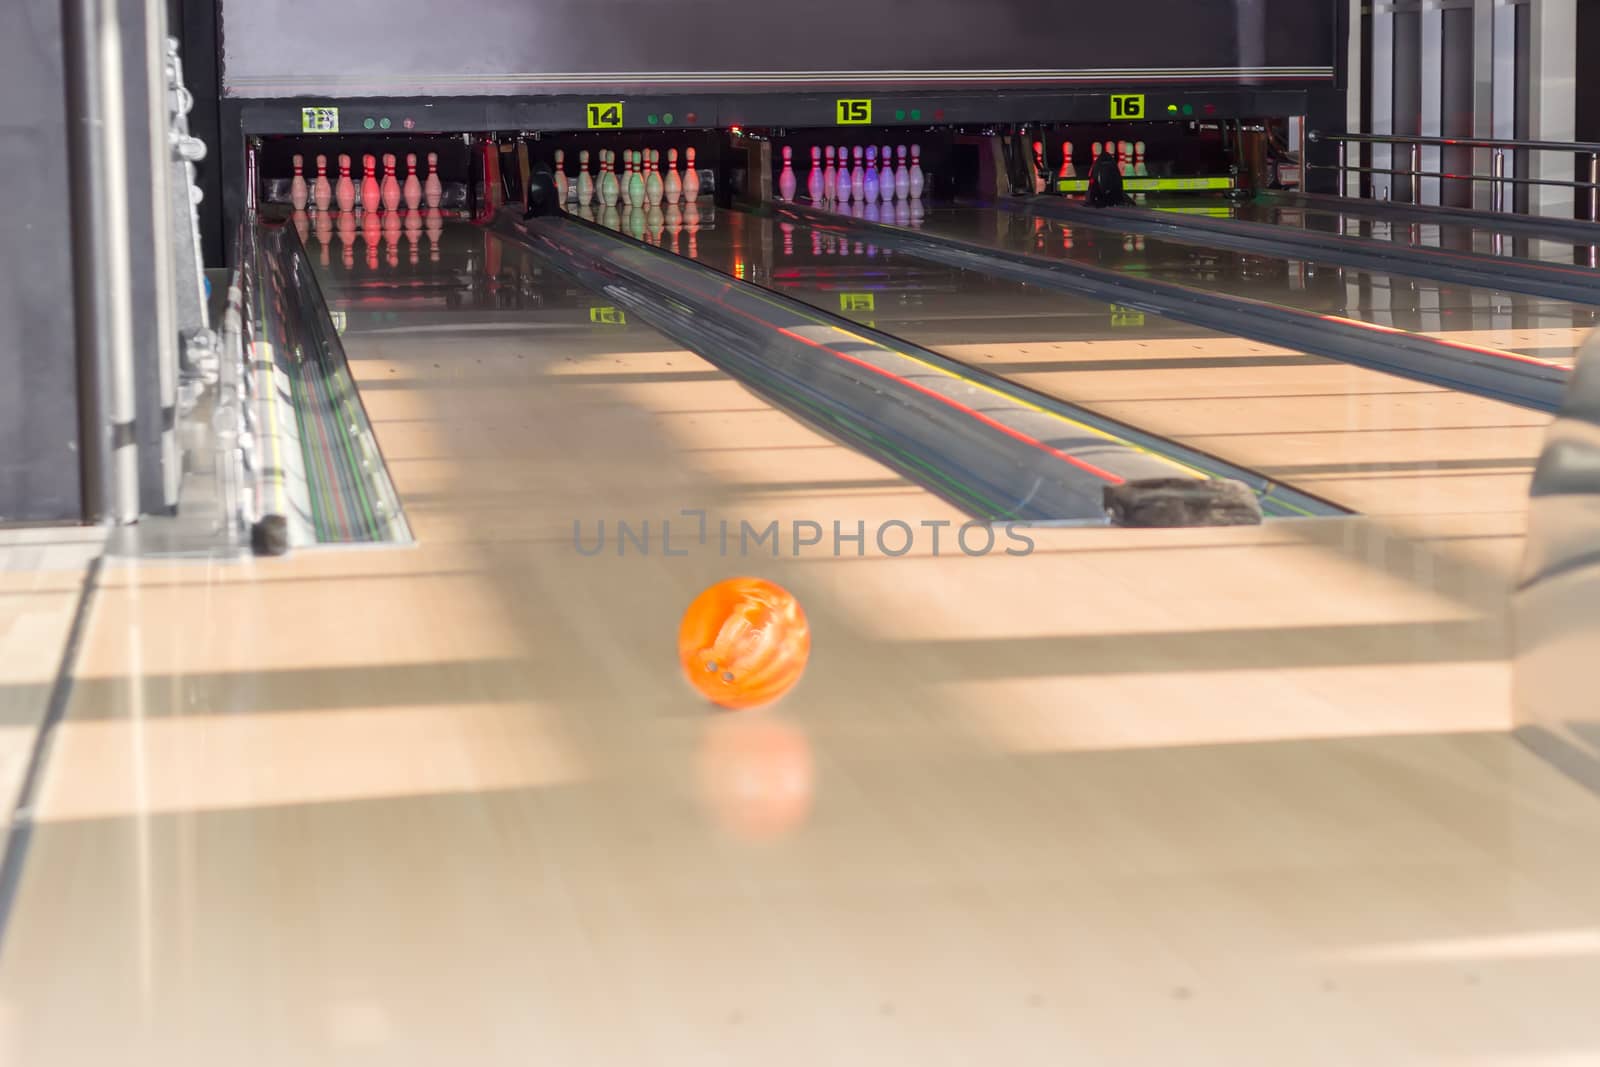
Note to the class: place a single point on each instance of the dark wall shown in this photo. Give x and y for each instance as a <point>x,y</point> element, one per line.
<point>39,466</point>
<point>411,47</point>
<point>1588,116</point>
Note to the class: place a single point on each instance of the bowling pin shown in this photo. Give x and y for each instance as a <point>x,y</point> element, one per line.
<point>1039,166</point>
<point>1139,167</point>
<point>345,193</point>
<point>858,175</point>
<point>432,188</point>
<point>830,177</point>
<point>661,181</point>
<point>902,174</point>
<point>842,181</point>
<point>585,180</point>
<point>1094,152</point>
<point>886,177</point>
<point>370,196</point>
<point>872,174</point>
<point>411,191</point>
<point>814,180</point>
<point>1067,170</point>
<point>673,186</point>
<point>786,178</point>
<point>917,177</point>
<point>691,182</point>
<point>609,186</point>
<point>322,189</point>
<point>636,181</point>
<point>298,193</point>
<point>560,177</point>
<point>391,185</point>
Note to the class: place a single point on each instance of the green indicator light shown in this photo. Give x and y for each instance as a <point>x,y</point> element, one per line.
<point>368,123</point>
<point>652,119</point>
<point>383,124</point>
<point>1188,109</point>
<point>915,115</point>
<point>667,118</point>
<point>1172,108</point>
<point>900,115</point>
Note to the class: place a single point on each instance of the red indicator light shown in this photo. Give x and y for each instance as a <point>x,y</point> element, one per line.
<point>939,115</point>
<point>691,118</point>
<point>737,131</point>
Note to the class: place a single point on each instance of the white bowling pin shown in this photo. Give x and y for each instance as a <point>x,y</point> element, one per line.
<point>432,187</point>
<point>298,193</point>
<point>814,183</point>
<point>636,180</point>
<point>585,183</point>
<point>1139,166</point>
<point>610,188</point>
<point>1067,170</point>
<point>345,192</point>
<point>872,174</point>
<point>391,184</point>
<point>886,176</point>
<point>654,187</point>
<point>673,187</point>
<point>786,178</point>
<point>560,176</point>
<point>902,174</point>
<point>411,191</point>
<point>370,196</point>
<point>1094,152</point>
<point>691,181</point>
<point>858,175</point>
<point>916,172</point>
<point>842,181</point>
<point>322,189</point>
<point>830,177</point>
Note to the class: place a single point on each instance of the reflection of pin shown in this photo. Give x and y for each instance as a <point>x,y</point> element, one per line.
<point>414,234</point>
<point>324,231</point>
<point>435,226</point>
<point>391,237</point>
<point>302,226</point>
<point>691,226</point>
<point>346,191</point>
<point>786,178</point>
<point>371,232</point>
<point>347,233</point>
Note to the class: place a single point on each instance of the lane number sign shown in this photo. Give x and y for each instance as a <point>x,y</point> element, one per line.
<point>605,116</point>
<point>854,112</point>
<point>1127,105</point>
<point>319,120</point>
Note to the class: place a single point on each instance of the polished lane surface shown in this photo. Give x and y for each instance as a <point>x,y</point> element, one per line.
<point>1542,327</point>
<point>1369,441</point>
<point>1482,237</point>
<point>1138,798</point>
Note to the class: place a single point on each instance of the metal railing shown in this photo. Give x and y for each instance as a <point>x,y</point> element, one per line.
<point>1498,178</point>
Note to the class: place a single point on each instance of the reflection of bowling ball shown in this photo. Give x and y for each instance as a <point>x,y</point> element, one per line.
<point>756,775</point>
<point>744,642</point>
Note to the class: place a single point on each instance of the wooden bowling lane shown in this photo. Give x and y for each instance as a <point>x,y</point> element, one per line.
<point>1235,796</point>
<point>1373,442</point>
<point>1414,304</point>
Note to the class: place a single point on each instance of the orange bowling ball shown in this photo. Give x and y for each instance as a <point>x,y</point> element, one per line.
<point>744,642</point>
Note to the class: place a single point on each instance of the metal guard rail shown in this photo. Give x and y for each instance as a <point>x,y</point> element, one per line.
<point>1499,146</point>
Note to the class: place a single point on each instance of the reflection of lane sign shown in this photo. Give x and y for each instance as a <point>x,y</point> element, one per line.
<point>607,317</point>
<point>855,112</point>
<point>1127,105</point>
<point>1125,318</point>
<point>319,120</point>
<point>857,302</point>
<point>605,116</point>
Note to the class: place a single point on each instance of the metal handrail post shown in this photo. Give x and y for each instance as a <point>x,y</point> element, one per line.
<point>1416,174</point>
